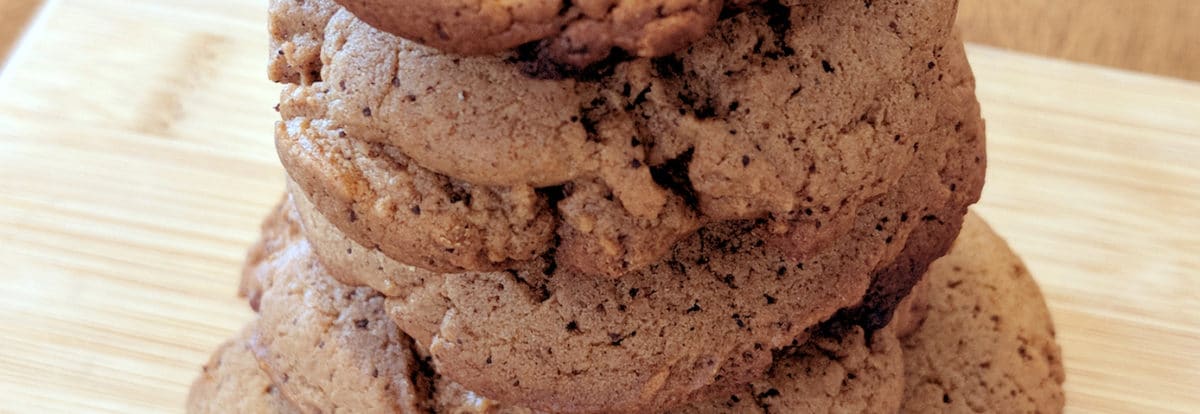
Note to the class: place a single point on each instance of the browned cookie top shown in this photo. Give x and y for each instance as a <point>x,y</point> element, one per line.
<point>797,115</point>
<point>988,343</point>
<point>575,33</point>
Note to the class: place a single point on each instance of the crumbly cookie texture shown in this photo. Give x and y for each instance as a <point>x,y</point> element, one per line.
<point>841,373</point>
<point>350,262</point>
<point>328,347</point>
<point>297,33</point>
<point>337,347</point>
<point>232,383</point>
<point>988,343</point>
<point>892,284</point>
<point>795,115</point>
<point>511,335</point>
<point>570,33</point>
<point>382,198</point>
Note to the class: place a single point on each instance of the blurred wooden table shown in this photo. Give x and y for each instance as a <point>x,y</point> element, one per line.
<point>136,162</point>
<point>1154,36</point>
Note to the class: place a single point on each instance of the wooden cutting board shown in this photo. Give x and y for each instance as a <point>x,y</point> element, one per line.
<point>136,161</point>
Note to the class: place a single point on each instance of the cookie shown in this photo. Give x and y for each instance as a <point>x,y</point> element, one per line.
<point>297,33</point>
<point>574,33</point>
<point>718,285</point>
<point>892,284</point>
<point>988,343</point>
<point>839,367</point>
<point>278,229</point>
<point>537,132</point>
<point>842,373</point>
<point>348,261</point>
<point>328,347</point>
<point>798,115</point>
<point>232,383</point>
<point>417,216</point>
<point>380,197</point>
<point>830,375</point>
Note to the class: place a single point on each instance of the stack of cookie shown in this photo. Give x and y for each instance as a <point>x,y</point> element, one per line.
<point>630,206</point>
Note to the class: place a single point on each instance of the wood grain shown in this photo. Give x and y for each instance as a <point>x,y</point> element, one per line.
<point>1155,36</point>
<point>136,162</point>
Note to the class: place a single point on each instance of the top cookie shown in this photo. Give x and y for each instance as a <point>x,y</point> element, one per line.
<point>575,33</point>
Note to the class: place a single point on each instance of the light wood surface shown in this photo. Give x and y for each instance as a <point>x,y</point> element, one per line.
<point>1154,36</point>
<point>136,162</point>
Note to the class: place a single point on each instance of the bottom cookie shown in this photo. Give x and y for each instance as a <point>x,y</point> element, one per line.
<point>986,345</point>
<point>231,382</point>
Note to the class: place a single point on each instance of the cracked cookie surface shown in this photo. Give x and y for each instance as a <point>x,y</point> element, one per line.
<point>653,148</point>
